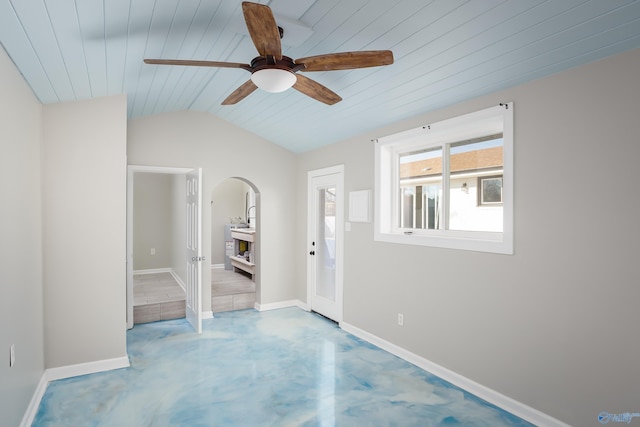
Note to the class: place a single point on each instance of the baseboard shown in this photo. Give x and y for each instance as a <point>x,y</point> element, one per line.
<point>178,279</point>
<point>217,266</point>
<point>34,404</point>
<point>281,304</point>
<point>152,271</point>
<point>508,404</point>
<point>207,315</point>
<point>53,374</point>
<point>69,371</point>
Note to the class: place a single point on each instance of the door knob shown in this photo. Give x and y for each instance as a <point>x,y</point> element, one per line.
<point>312,253</point>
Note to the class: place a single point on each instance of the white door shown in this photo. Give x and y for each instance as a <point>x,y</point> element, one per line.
<point>325,224</point>
<point>194,249</point>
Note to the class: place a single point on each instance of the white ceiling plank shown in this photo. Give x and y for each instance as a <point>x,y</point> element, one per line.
<point>34,18</point>
<point>66,26</point>
<point>167,77</point>
<point>341,38</point>
<point>215,44</point>
<point>200,30</point>
<point>156,38</point>
<point>486,62</point>
<point>163,15</point>
<point>445,52</point>
<point>91,17</point>
<point>448,53</point>
<point>443,65</point>
<point>140,15</point>
<point>374,36</point>
<point>20,49</point>
<point>324,28</point>
<point>116,22</point>
<point>290,9</point>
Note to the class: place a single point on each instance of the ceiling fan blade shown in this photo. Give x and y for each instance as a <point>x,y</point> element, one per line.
<point>346,60</point>
<point>241,93</point>
<point>263,29</point>
<point>192,63</point>
<point>315,90</point>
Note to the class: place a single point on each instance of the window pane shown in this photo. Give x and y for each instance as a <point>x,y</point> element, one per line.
<point>431,206</point>
<point>491,190</point>
<point>326,247</point>
<point>420,189</point>
<point>470,163</point>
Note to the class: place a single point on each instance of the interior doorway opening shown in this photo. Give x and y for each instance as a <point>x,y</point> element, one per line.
<point>235,245</point>
<point>161,244</point>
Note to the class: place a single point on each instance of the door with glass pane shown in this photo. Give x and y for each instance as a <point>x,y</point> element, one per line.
<point>325,225</point>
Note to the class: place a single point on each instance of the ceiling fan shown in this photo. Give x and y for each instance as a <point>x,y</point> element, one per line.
<point>274,72</point>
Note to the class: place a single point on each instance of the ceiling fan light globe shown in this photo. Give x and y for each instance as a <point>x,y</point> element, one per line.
<point>273,80</point>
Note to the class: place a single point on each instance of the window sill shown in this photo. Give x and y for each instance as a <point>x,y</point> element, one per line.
<point>498,243</point>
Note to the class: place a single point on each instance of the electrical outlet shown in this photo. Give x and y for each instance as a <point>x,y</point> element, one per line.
<point>400,319</point>
<point>12,355</point>
<point>153,251</point>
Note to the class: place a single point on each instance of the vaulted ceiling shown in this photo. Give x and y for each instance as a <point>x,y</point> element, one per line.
<point>446,51</point>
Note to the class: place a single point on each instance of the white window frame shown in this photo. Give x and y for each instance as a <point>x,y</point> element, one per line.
<point>493,120</point>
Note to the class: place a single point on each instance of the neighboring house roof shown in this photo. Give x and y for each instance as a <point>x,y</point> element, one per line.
<point>488,158</point>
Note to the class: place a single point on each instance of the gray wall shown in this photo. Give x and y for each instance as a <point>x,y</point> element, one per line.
<point>554,326</point>
<point>152,220</point>
<point>84,231</point>
<point>194,139</point>
<point>20,243</point>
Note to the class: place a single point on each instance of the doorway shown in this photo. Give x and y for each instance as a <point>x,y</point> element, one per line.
<point>183,251</point>
<point>235,245</point>
<point>325,225</point>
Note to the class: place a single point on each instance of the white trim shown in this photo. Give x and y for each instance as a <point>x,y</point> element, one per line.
<point>387,151</point>
<point>338,170</point>
<point>217,266</point>
<point>69,371</point>
<point>152,271</point>
<point>131,171</point>
<point>34,404</point>
<point>53,374</point>
<point>178,280</point>
<point>207,315</point>
<point>282,304</point>
<point>159,169</point>
<point>510,405</point>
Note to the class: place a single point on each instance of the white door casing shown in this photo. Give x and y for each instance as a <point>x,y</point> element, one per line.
<point>325,233</point>
<point>193,295</point>
<point>131,173</point>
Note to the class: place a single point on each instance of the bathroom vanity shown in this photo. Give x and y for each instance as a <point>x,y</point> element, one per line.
<point>243,257</point>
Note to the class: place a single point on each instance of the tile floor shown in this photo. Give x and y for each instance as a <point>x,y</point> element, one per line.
<point>157,296</point>
<point>278,368</point>
<point>231,291</point>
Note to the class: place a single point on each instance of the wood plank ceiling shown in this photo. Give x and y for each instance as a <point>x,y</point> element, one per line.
<point>446,51</point>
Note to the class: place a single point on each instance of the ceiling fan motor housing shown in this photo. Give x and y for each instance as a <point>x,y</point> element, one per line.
<point>273,75</point>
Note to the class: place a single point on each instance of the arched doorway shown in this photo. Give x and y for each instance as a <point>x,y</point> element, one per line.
<point>235,245</point>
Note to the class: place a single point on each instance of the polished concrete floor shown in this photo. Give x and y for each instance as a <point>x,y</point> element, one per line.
<point>277,368</point>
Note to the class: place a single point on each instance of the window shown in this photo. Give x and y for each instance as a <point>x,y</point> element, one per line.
<point>490,190</point>
<point>449,184</point>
